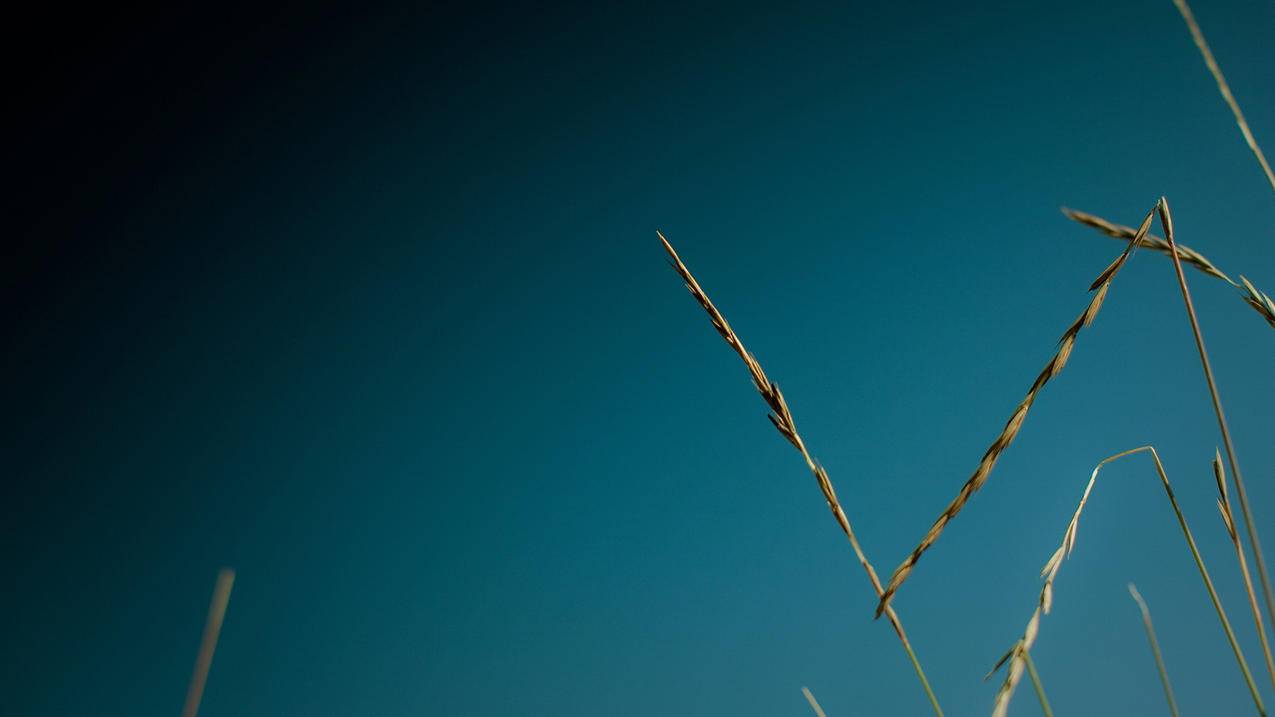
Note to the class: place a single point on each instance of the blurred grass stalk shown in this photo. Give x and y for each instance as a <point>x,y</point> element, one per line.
<point>208,645</point>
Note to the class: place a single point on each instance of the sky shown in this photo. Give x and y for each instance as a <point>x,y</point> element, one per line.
<point>368,304</point>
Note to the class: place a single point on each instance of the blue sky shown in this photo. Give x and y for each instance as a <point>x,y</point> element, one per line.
<point>372,309</point>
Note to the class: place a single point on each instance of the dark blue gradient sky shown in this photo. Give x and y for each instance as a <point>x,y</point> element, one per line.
<point>369,306</point>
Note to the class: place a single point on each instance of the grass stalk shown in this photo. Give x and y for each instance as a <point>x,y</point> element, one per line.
<point>1038,685</point>
<point>1259,301</point>
<point>1017,656</point>
<point>1155,649</point>
<point>1225,89</point>
<point>1208,583</point>
<point>1007,435</point>
<point>782,419</point>
<point>814,703</point>
<point>1228,519</point>
<point>1166,222</point>
<point>208,645</point>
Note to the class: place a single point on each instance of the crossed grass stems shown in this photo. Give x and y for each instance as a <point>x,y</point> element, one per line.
<point>1260,302</point>
<point>1257,300</point>
<point>1018,657</point>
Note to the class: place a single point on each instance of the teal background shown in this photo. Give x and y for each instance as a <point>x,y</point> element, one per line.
<point>369,306</point>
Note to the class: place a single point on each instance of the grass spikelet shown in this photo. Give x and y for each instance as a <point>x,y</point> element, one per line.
<point>1155,649</point>
<point>1228,519</point>
<point>1260,302</point>
<point>1017,656</point>
<point>1015,422</point>
<point>783,421</point>
<point>1148,241</point>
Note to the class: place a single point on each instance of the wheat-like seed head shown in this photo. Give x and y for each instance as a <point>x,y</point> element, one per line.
<point>783,421</point>
<point>1150,241</point>
<point>779,415</point>
<point>1260,302</point>
<point>1015,422</point>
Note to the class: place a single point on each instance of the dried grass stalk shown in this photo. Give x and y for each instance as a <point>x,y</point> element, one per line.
<point>1150,241</point>
<point>1260,302</point>
<point>814,703</point>
<point>1015,423</point>
<point>783,421</point>
<point>1155,649</point>
<point>1166,222</point>
<point>208,645</point>
<point>1017,655</point>
<point>1224,88</point>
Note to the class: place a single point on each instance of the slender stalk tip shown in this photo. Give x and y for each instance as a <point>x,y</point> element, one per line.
<point>814,703</point>
<point>1155,650</point>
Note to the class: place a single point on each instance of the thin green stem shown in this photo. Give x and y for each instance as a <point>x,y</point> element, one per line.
<point>1040,688</point>
<point>920,673</point>
<point>1166,221</point>
<point>1155,650</point>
